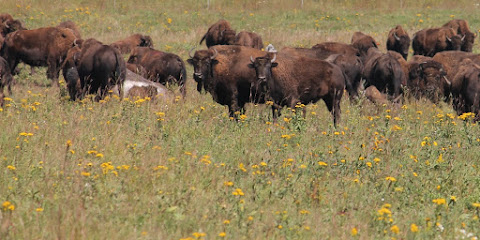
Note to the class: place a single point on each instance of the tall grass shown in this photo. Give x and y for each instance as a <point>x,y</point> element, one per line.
<point>139,169</point>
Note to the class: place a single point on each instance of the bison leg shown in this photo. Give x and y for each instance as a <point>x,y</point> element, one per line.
<point>333,105</point>
<point>53,71</point>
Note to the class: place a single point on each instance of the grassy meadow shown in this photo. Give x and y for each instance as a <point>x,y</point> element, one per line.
<point>141,169</point>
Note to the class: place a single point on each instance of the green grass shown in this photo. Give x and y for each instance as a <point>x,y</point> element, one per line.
<point>163,170</point>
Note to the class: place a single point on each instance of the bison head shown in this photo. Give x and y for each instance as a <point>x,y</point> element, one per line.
<point>428,79</point>
<point>146,41</point>
<point>228,37</point>
<point>263,70</point>
<point>455,42</point>
<point>468,41</point>
<point>202,63</point>
<point>403,43</point>
<point>12,26</point>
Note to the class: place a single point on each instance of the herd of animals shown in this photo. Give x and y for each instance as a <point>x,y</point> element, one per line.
<point>235,69</point>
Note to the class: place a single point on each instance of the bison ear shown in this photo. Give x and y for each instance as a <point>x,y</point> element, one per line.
<point>250,65</point>
<point>190,61</point>
<point>213,61</point>
<point>274,64</point>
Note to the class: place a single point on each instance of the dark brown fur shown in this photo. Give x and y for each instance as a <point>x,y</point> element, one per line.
<point>71,25</point>
<point>427,78</point>
<point>6,79</point>
<point>220,33</point>
<point>466,89</point>
<point>249,39</point>
<point>363,42</point>
<point>462,29</point>
<point>161,67</point>
<point>125,46</point>
<point>430,41</point>
<point>398,41</point>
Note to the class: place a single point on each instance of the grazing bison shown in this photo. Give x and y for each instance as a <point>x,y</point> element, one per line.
<point>466,89</point>
<point>249,39</point>
<point>363,42</point>
<point>220,33</point>
<point>6,79</point>
<point>223,72</point>
<point>427,42</point>
<point>99,68</point>
<point>160,66</point>
<point>288,80</point>
<point>138,86</point>
<point>451,61</point>
<point>38,47</point>
<point>427,78</point>
<point>125,46</point>
<point>384,72</point>
<point>341,54</point>
<point>461,27</point>
<point>398,41</point>
<point>71,25</point>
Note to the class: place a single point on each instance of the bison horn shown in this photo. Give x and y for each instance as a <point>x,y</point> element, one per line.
<point>449,39</point>
<point>463,36</point>
<point>215,54</point>
<point>396,37</point>
<point>251,59</point>
<point>190,52</point>
<point>446,80</point>
<point>274,58</point>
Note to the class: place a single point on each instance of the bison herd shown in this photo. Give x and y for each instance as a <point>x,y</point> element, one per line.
<point>236,70</point>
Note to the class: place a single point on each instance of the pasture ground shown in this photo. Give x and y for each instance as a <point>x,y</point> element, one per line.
<point>139,169</point>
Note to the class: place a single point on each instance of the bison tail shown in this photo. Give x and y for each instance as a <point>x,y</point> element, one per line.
<point>120,73</point>
<point>203,38</point>
<point>182,80</point>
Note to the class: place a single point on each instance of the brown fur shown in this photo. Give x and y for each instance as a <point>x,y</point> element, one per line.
<point>466,88</point>
<point>125,46</point>
<point>430,41</point>
<point>71,25</point>
<point>220,33</point>
<point>375,96</point>
<point>249,39</point>
<point>39,47</point>
<point>363,42</point>
<point>398,41</point>
<point>461,27</point>
<point>6,79</point>
<point>142,92</point>
<point>427,78</point>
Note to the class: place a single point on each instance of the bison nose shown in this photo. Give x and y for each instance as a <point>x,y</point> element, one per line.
<point>199,75</point>
<point>262,78</point>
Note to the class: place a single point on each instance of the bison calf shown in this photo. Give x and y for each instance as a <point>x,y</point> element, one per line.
<point>249,39</point>
<point>125,46</point>
<point>220,33</point>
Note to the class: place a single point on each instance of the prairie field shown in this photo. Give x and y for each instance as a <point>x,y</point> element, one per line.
<point>144,169</point>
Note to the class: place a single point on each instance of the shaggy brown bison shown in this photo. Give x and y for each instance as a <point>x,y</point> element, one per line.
<point>71,25</point>
<point>466,89</point>
<point>384,72</point>
<point>99,68</point>
<point>220,33</point>
<point>461,27</point>
<point>8,24</point>
<point>6,79</point>
<point>125,46</point>
<point>39,47</point>
<point>398,41</point>
<point>160,66</point>
<point>427,42</point>
<point>249,39</point>
<point>289,80</point>
<point>223,72</point>
<point>427,78</point>
<point>363,42</point>
<point>341,54</point>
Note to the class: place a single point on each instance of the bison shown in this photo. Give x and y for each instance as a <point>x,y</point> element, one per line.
<point>462,29</point>
<point>98,68</point>
<point>39,47</point>
<point>125,46</point>
<point>398,41</point>
<point>220,33</point>
<point>466,89</point>
<point>289,80</point>
<point>6,79</point>
<point>343,55</point>
<point>160,66</point>
<point>223,72</point>
<point>138,86</point>
<point>249,39</point>
<point>427,78</point>
<point>375,96</point>
<point>427,42</point>
<point>363,42</point>
<point>8,24</point>
<point>71,25</point>
<point>384,72</point>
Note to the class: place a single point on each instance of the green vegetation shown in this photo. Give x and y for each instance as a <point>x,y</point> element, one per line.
<point>141,169</point>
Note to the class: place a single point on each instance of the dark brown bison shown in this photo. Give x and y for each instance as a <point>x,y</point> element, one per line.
<point>461,27</point>
<point>98,68</point>
<point>427,78</point>
<point>400,60</point>
<point>398,41</point>
<point>289,80</point>
<point>220,33</point>
<point>6,79</point>
<point>451,61</point>
<point>38,47</point>
<point>341,54</point>
<point>363,42</point>
<point>384,72</point>
<point>8,24</point>
<point>125,46</point>
<point>71,25</point>
<point>223,72</point>
<point>160,66</point>
<point>427,42</point>
<point>249,39</point>
<point>466,89</point>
